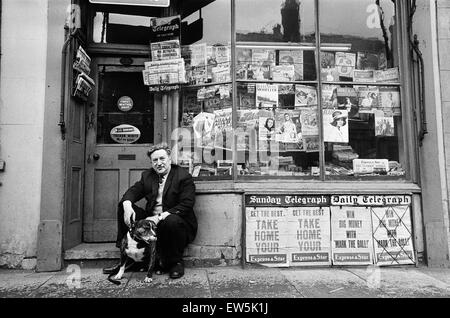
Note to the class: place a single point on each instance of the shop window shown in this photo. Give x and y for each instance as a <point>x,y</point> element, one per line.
<point>361,107</point>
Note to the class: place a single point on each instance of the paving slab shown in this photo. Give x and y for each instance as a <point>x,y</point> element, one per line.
<point>440,274</point>
<point>18,284</point>
<point>329,283</point>
<point>194,284</point>
<point>403,282</point>
<point>87,283</point>
<point>234,282</point>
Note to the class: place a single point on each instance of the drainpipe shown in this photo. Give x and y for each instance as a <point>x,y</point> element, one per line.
<point>62,123</point>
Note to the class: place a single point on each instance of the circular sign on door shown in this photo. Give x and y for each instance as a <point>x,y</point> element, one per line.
<point>125,103</point>
<point>125,134</point>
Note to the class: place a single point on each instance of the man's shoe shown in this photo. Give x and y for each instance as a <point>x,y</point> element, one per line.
<point>111,270</point>
<point>177,271</point>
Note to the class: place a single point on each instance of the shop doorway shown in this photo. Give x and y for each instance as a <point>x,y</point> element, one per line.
<point>120,127</point>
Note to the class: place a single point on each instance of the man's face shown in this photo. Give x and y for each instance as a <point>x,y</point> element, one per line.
<point>160,161</point>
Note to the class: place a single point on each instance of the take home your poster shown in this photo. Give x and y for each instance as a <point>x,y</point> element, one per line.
<point>351,235</point>
<point>266,236</point>
<point>308,231</point>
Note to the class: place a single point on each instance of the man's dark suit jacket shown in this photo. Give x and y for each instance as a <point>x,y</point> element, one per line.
<point>178,195</point>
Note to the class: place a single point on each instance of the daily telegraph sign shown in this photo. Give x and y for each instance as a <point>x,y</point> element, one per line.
<point>148,3</point>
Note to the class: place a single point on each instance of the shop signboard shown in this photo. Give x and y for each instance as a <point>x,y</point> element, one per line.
<point>351,235</point>
<point>164,29</point>
<point>125,134</point>
<point>392,235</point>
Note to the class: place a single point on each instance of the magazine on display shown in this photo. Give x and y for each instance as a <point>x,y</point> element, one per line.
<point>345,63</point>
<point>305,95</point>
<point>367,61</point>
<point>363,76</point>
<point>222,120</point>
<point>243,63</point>
<point>196,63</point>
<point>347,98</point>
<point>384,125</point>
<point>203,125</point>
<point>263,60</point>
<point>329,96</point>
<point>389,100</point>
<point>266,96</point>
<point>288,126</point>
<point>389,75</point>
<point>311,143</point>
<point>309,123</point>
<point>370,166</point>
<point>284,73</point>
<point>335,125</point>
<point>330,74</point>
<point>246,96</point>
<point>165,50</point>
<point>327,60</point>
<point>165,72</point>
<point>292,57</point>
<point>367,98</point>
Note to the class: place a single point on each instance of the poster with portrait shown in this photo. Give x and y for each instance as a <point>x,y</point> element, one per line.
<point>389,101</point>
<point>335,125</point>
<point>329,96</point>
<point>367,98</point>
<point>288,126</point>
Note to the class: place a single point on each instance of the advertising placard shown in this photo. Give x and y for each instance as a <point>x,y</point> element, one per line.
<point>392,235</point>
<point>308,236</point>
<point>125,134</point>
<point>351,235</point>
<point>125,103</point>
<point>266,237</point>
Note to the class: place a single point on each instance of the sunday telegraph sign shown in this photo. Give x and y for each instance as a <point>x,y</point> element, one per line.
<point>305,230</point>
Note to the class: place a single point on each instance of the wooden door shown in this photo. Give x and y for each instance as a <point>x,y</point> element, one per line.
<point>120,98</point>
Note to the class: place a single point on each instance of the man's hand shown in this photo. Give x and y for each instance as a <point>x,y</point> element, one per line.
<point>128,213</point>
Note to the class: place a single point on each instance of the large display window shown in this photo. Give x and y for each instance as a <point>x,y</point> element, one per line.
<point>285,89</point>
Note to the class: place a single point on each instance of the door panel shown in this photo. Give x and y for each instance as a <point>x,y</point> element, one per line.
<point>111,167</point>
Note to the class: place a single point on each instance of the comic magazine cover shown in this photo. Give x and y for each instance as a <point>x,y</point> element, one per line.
<point>335,125</point>
<point>292,57</point>
<point>305,95</point>
<point>345,63</point>
<point>367,98</point>
<point>288,126</point>
<point>309,123</point>
<point>243,63</point>
<point>367,61</point>
<point>263,60</point>
<point>266,96</point>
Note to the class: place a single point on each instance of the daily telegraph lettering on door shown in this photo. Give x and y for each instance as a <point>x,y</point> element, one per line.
<point>287,200</point>
<point>371,200</point>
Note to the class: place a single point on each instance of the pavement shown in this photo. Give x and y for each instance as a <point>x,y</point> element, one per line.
<point>232,282</point>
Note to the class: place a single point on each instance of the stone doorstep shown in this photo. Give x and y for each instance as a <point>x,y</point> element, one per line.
<point>194,255</point>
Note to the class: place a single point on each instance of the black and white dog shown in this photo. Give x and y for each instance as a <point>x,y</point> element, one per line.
<point>139,245</point>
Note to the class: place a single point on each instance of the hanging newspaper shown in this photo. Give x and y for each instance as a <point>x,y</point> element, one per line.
<point>83,86</point>
<point>82,62</point>
<point>351,235</point>
<point>164,73</point>
<point>392,235</point>
<point>309,235</point>
<point>166,50</point>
